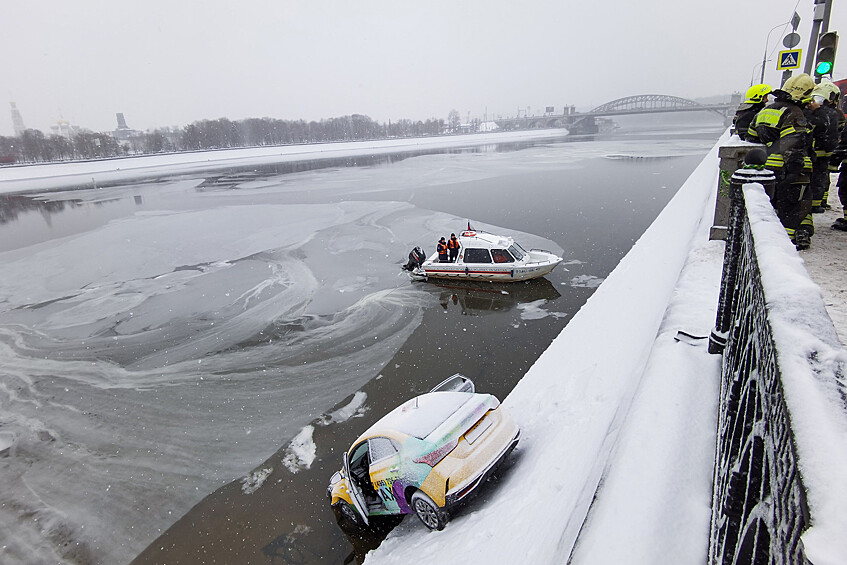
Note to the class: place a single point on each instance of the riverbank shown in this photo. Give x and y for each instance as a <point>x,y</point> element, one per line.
<point>48,176</point>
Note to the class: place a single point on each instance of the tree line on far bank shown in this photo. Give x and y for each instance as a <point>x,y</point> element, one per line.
<point>33,146</point>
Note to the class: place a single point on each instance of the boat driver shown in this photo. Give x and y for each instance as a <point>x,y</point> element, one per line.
<point>442,251</point>
<point>453,247</point>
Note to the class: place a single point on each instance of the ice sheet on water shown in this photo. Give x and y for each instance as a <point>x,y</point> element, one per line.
<point>255,480</point>
<point>535,310</point>
<point>300,453</point>
<point>585,281</point>
<point>160,355</point>
<point>355,407</point>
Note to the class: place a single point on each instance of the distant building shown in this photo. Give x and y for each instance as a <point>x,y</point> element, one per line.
<point>124,133</point>
<point>17,120</point>
<point>130,140</point>
<point>64,128</point>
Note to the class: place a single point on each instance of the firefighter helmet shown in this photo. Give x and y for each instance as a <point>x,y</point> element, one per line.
<point>827,90</point>
<point>799,87</point>
<point>757,93</point>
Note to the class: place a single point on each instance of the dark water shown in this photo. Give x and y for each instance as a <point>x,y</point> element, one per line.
<point>595,212</point>
<point>594,208</point>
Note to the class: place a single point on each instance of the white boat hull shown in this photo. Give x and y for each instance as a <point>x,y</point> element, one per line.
<point>480,272</point>
<point>484,256</point>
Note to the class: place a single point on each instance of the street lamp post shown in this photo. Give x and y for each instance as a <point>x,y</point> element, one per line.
<point>767,41</point>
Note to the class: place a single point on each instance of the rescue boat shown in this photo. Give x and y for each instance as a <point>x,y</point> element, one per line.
<point>486,256</point>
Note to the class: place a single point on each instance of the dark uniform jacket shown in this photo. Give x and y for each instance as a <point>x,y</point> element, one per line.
<point>824,125</point>
<point>783,128</point>
<point>744,117</point>
<point>841,145</point>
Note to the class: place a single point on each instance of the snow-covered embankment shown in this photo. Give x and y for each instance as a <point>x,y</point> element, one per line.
<point>617,419</point>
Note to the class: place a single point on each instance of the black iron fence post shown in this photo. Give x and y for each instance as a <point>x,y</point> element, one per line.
<point>717,339</point>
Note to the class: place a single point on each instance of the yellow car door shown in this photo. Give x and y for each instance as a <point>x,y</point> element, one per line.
<point>385,471</point>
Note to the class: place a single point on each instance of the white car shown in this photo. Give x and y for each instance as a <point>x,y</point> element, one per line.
<point>425,456</point>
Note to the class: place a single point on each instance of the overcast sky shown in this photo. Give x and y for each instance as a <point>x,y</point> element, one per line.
<point>166,63</point>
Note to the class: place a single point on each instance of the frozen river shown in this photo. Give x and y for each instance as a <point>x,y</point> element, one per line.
<point>193,351</point>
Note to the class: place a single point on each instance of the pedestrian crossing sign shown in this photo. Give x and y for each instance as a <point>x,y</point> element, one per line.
<point>789,59</point>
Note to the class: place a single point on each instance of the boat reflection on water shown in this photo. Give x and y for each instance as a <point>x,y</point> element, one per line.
<point>483,298</point>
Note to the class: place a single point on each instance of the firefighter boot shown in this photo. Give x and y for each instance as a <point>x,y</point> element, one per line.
<point>802,240</point>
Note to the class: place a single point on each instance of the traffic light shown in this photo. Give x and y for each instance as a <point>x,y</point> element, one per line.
<point>825,59</point>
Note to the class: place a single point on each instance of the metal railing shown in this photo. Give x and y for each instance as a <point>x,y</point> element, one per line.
<point>759,509</point>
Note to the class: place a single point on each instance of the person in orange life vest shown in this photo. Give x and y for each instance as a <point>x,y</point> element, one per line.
<point>442,250</point>
<point>453,246</point>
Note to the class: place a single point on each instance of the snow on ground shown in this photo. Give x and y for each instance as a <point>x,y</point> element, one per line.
<point>53,175</point>
<point>588,410</point>
<point>825,262</point>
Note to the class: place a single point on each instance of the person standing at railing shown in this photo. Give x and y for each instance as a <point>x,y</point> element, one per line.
<point>839,156</point>
<point>755,99</point>
<point>825,117</point>
<point>837,160</point>
<point>838,116</point>
<point>783,128</point>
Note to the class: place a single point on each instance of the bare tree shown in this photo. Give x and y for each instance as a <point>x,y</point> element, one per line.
<point>454,120</point>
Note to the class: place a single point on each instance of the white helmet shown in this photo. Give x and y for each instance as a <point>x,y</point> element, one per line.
<point>827,90</point>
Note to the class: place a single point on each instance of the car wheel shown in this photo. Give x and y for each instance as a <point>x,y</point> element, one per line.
<point>349,513</point>
<point>431,515</point>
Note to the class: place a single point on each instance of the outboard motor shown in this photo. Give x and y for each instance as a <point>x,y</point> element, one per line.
<point>416,259</point>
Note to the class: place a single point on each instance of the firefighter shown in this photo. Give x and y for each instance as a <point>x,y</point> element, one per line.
<point>839,157</point>
<point>837,115</point>
<point>442,250</point>
<point>453,247</point>
<point>783,128</point>
<point>755,99</point>
<point>825,117</point>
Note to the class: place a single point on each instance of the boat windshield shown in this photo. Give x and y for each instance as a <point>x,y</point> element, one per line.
<point>517,251</point>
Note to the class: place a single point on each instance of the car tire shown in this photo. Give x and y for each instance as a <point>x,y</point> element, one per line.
<point>349,513</point>
<point>430,514</point>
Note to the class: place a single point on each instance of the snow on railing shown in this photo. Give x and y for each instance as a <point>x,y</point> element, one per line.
<point>779,482</point>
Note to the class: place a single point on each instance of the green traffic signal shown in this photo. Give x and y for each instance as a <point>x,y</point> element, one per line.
<point>825,59</point>
<point>824,68</point>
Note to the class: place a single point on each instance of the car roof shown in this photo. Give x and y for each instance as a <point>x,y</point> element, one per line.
<point>419,416</point>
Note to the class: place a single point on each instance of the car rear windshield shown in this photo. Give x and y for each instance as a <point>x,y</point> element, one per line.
<point>420,416</point>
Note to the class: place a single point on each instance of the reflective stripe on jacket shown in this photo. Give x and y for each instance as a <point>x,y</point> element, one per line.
<point>783,128</point>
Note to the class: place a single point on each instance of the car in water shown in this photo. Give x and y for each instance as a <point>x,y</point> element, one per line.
<point>425,456</point>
